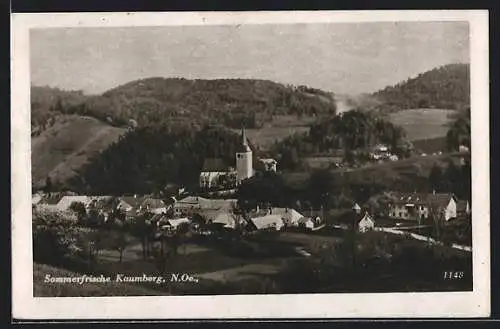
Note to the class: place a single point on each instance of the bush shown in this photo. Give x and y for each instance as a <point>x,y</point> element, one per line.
<point>54,236</point>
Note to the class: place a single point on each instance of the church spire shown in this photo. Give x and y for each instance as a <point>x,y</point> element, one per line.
<point>244,137</point>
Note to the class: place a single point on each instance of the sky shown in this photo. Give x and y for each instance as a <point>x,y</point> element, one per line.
<point>346,58</point>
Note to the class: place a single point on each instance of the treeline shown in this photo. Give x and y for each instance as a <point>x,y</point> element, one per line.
<point>446,87</point>
<point>49,103</point>
<point>147,159</point>
<point>232,102</point>
<point>459,133</point>
<point>452,179</point>
<point>348,132</point>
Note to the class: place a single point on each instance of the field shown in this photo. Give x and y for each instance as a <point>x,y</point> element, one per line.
<point>412,170</point>
<point>63,148</point>
<point>423,123</point>
<point>430,145</point>
<point>278,129</point>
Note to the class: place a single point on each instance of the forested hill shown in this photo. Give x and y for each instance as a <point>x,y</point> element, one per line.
<point>47,103</point>
<point>446,87</point>
<point>232,102</point>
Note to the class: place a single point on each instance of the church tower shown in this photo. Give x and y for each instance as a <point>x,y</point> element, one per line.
<point>244,168</point>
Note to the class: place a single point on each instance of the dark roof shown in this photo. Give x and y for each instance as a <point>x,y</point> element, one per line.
<point>436,199</point>
<point>214,165</point>
<point>462,205</point>
<point>51,199</point>
<point>153,203</point>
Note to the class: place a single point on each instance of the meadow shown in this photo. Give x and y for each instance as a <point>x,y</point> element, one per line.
<point>423,123</point>
<point>63,148</point>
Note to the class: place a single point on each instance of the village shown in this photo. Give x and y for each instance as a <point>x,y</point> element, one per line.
<point>256,239</point>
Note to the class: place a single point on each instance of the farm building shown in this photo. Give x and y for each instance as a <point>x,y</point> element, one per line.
<point>289,215</point>
<point>268,164</point>
<point>418,206</point>
<point>227,219</point>
<point>193,205</point>
<point>306,222</point>
<point>366,223</point>
<point>268,222</point>
<point>215,173</point>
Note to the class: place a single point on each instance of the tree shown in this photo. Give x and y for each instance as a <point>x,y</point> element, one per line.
<point>79,209</point>
<point>121,242</point>
<point>436,177</point>
<point>320,187</point>
<point>48,185</point>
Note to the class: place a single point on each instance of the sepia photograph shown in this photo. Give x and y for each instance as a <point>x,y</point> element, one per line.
<point>248,157</point>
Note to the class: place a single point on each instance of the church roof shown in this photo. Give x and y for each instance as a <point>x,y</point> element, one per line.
<point>214,165</point>
<point>244,145</point>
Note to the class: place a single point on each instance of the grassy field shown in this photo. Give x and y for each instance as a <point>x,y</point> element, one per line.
<point>430,145</point>
<point>67,145</point>
<point>278,129</point>
<point>423,123</point>
<point>410,170</point>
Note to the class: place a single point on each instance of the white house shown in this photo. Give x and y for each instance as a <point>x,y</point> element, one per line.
<point>174,223</point>
<point>306,222</point>
<point>268,222</point>
<point>419,206</point>
<point>228,219</point>
<point>67,200</point>
<point>366,223</point>
<point>215,173</point>
<point>268,164</point>
<point>289,215</point>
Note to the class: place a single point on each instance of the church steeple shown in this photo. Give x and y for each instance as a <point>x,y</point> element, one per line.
<point>244,141</point>
<point>244,147</point>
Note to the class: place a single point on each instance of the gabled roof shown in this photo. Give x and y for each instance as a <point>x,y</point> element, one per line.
<point>134,202</point>
<point>229,220</point>
<point>435,199</point>
<point>152,203</point>
<point>214,165</point>
<point>267,221</point>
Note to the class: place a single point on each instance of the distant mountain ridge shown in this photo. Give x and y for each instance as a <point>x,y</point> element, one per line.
<point>445,87</point>
<point>232,102</point>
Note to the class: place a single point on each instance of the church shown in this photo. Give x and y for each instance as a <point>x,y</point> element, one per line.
<point>215,174</point>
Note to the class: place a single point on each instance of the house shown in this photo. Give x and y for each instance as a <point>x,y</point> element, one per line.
<point>50,201</point>
<point>227,219</point>
<point>215,173</point>
<point>194,205</point>
<point>419,206</point>
<point>290,216</point>
<point>173,224</point>
<point>306,222</point>
<point>268,164</point>
<point>128,203</point>
<point>35,199</point>
<point>66,201</point>
<point>463,209</point>
<point>156,206</point>
<point>268,222</point>
<point>366,223</point>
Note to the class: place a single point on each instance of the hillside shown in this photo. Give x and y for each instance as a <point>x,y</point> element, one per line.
<point>446,87</point>
<point>48,103</point>
<point>63,148</point>
<point>232,102</point>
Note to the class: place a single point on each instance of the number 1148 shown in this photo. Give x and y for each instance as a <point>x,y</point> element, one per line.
<point>450,275</point>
